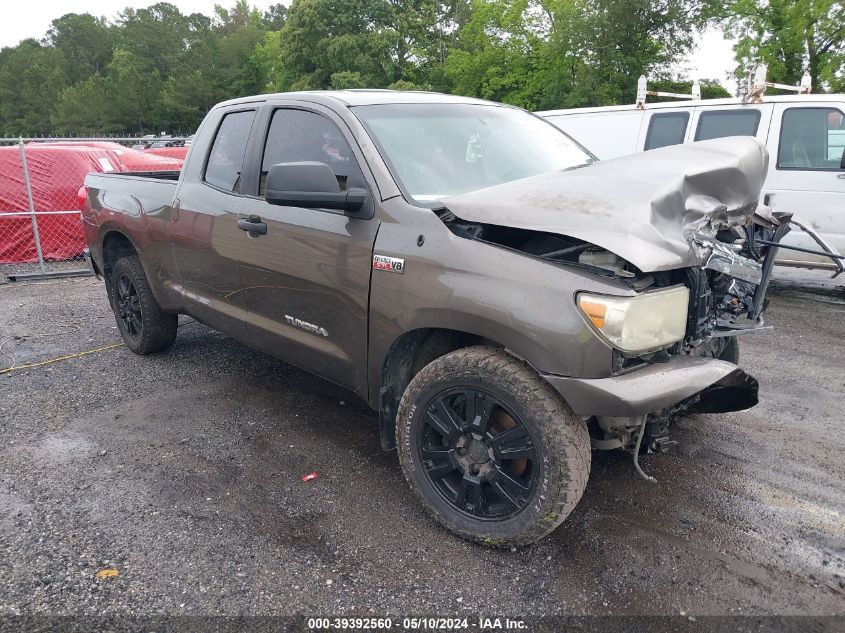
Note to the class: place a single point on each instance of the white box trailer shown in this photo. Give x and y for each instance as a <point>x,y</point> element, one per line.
<point>804,133</point>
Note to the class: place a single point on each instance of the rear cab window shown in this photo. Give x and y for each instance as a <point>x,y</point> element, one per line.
<point>720,123</point>
<point>812,138</point>
<point>666,128</point>
<point>226,158</point>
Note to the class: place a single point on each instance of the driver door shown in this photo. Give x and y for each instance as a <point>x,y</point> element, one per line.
<point>306,280</point>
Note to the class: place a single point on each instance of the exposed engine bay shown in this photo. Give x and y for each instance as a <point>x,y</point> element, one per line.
<point>687,215</point>
<point>727,297</point>
<point>721,304</point>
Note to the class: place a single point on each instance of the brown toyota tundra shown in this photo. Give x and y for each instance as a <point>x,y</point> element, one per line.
<point>504,301</point>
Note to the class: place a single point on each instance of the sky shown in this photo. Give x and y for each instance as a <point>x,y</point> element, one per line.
<point>712,59</point>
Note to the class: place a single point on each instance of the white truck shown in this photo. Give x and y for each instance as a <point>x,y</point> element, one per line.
<point>804,133</point>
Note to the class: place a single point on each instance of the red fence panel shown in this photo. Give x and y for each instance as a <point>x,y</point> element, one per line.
<point>50,217</point>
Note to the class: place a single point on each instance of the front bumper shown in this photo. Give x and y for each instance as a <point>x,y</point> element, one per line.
<point>720,387</point>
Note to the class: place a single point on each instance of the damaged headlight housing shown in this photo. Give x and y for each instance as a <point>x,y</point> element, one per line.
<point>643,323</point>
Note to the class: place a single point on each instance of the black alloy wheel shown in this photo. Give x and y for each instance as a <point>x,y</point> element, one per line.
<point>478,454</point>
<point>491,449</point>
<point>144,327</point>
<point>128,307</point>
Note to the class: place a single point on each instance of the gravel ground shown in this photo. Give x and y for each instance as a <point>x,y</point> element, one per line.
<point>183,471</point>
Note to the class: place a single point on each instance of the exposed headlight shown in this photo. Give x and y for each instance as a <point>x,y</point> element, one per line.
<point>639,324</point>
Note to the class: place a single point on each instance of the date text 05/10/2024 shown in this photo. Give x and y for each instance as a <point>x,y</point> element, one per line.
<point>416,623</point>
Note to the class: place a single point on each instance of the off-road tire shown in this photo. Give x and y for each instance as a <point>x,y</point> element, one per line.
<point>158,328</point>
<point>560,437</point>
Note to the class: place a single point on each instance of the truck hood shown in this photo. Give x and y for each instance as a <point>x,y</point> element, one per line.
<point>658,209</point>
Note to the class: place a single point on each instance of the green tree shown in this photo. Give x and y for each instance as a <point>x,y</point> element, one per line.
<point>187,91</point>
<point>604,46</point>
<point>238,33</point>
<point>131,94</point>
<point>155,68</point>
<point>498,51</point>
<point>791,37</point>
<point>239,16</point>
<point>267,59</point>
<point>710,89</point>
<point>569,53</point>
<point>221,61</point>
<point>274,17</point>
<point>412,33</point>
<point>158,34</point>
<point>86,44</point>
<point>324,37</point>
<point>81,108</point>
<point>31,80</point>
<point>372,43</point>
<point>345,79</point>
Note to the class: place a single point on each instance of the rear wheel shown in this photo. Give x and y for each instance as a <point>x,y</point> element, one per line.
<point>144,327</point>
<point>490,449</point>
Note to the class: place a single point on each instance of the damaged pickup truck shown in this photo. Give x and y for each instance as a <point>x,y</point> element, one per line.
<point>506,303</point>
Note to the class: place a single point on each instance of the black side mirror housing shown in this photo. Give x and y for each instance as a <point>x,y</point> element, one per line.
<point>311,185</point>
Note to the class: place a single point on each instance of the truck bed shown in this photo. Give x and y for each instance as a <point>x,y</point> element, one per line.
<point>152,175</point>
<point>130,194</point>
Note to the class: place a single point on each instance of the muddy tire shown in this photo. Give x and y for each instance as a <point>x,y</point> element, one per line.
<point>491,450</point>
<point>142,324</point>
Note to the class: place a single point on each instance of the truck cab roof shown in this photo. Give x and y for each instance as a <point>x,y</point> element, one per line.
<point>358,97</point>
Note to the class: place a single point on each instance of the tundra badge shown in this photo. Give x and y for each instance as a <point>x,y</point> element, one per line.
<point>390,264</point>
<point>304,325</point>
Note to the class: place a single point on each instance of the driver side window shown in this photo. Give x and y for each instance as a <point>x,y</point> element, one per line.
<point>299,135</point>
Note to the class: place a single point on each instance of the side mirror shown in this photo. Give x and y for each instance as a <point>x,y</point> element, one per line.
<point>311,185</point>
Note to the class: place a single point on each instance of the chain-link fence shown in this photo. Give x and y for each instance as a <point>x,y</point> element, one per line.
<point>40,199</point>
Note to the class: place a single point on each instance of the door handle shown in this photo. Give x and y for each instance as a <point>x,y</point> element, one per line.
<point>767,199</point>
<point>253,225</point>
<point>841,176</point>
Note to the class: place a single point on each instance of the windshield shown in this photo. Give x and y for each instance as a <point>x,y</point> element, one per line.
<point>444,149</point>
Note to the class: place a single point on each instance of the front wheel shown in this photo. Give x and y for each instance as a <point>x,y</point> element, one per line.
<point>144,327</point>
<point>491,450</point>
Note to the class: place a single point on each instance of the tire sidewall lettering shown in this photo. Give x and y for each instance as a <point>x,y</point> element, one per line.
<point>409,452</point>
<point>544,483</point>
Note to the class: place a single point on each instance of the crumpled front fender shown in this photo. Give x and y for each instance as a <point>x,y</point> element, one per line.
<point>719,385</point>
